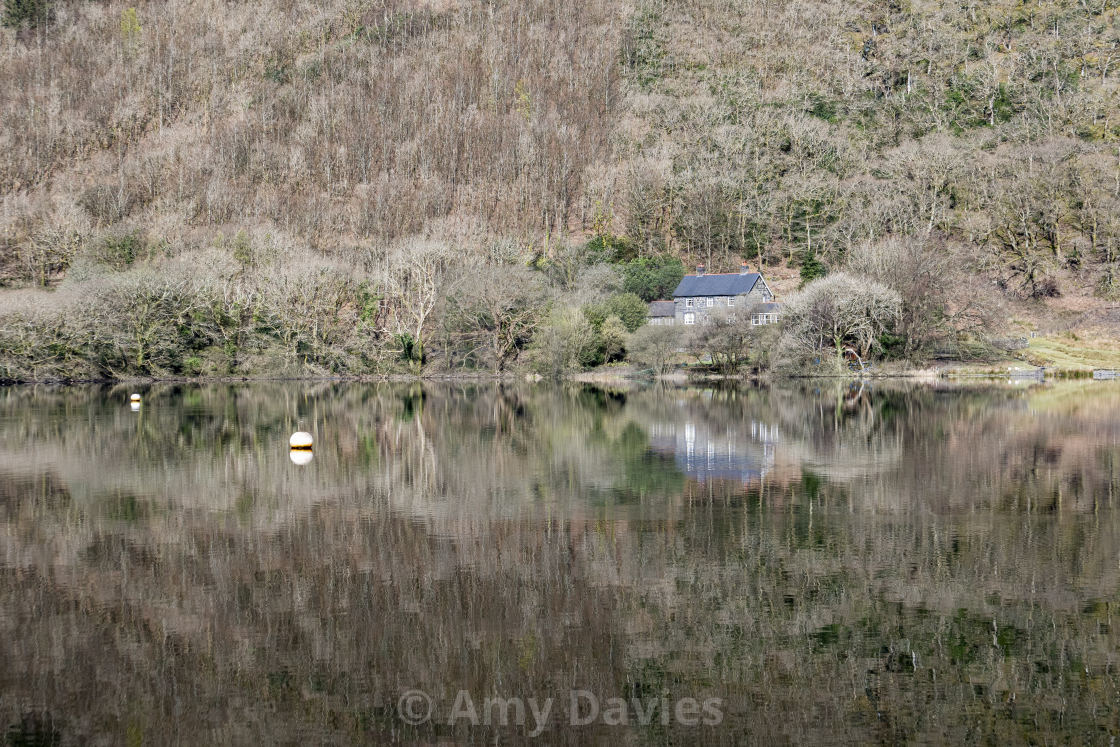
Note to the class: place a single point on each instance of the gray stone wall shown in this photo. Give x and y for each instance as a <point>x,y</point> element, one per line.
<point>701,309</point>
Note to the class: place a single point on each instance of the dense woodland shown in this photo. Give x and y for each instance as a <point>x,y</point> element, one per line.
<point>203,187</point>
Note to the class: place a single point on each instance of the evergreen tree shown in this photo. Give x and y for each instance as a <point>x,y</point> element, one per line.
<point>811,267</point>
<point>26,13</point>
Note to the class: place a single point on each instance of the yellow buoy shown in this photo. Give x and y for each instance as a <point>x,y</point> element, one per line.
<point>134,398</point>
<point>300,440</point>
<point>300,456</point>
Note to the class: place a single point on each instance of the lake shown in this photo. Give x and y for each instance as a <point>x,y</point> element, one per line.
<point>816,563</point>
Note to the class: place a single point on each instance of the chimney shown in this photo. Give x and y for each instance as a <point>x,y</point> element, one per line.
<point>699,269</point>
<point>744,268</point>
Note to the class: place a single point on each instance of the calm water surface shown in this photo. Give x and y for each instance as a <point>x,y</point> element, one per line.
<point>817,564</point>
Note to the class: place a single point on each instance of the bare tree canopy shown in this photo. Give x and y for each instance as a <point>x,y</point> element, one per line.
<point>837,312</point>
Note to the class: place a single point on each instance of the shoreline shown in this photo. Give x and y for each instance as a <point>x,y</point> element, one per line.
<point>590,377</point>
<point>348,378</point>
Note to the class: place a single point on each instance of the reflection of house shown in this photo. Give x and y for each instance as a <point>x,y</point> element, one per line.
<point>705,451</point>
<point>699,295</point>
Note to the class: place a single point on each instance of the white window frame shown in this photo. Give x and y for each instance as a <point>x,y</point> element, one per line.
<point>730,301</point>
<point>689,317</point>
<point>688,303</point>
<point>711,302</point>
<point>756,319</point>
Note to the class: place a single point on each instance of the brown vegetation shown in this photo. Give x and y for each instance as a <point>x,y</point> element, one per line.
<point>357,139</point>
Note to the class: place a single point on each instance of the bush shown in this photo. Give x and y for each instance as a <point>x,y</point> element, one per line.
<point>120,250</point>
<point>106,204</point>
<point>942,297</point>
<point>610,249</point>
<point>192,317</point>
<point>565,342</point>
<point>728,337</point>
<point>627,307</point>
<point>491,315</point>
<point>612,340</point>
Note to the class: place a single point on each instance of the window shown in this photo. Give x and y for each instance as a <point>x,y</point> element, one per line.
<point>688,303</point>
<point>711,302</point>
<point>689,318</point>
<point>756,319</point>
<point>731,300</point>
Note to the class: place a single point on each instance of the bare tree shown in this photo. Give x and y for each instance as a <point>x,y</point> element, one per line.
<point>728,336</point>
<point>655,346</point>
<point>493,311</point>
<point>415,280</point>
<point>939,297</point>
<point>837,312</point>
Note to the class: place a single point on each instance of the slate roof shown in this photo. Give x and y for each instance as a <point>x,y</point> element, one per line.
<point>766,308</point>
<point>662,308</point>
<point>730,284</point>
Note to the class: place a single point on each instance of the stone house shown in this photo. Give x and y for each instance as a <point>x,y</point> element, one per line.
<point>662,313</point>
<point>699,295</point>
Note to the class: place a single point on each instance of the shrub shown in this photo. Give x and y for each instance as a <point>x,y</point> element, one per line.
<point>728,337</point>
<point>106,204</point>
<point>565,342</point>
<point>609,248</point>
<point>191,316</point>
<point>627,307</point>
<point>491,315</point>
<point>120,250</point>
<point>612,340</point>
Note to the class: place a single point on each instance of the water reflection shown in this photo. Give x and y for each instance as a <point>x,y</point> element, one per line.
<point>741,453</point>
<point>835,564</point>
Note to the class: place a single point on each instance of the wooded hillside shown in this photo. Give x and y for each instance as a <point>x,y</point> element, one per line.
<point>354,159</point>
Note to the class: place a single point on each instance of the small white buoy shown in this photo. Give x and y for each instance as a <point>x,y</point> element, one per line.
<point>300,456</point>
<point>134,398</point>
<point>300,440</point>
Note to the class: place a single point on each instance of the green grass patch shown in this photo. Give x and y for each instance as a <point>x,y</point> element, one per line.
<point>1073,352</point>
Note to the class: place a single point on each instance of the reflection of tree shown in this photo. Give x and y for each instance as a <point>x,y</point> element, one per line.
<point>515,448</point>
<point>176,572</point>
